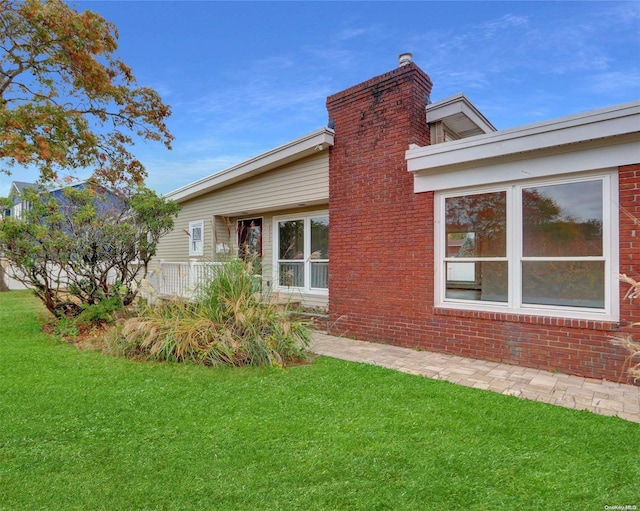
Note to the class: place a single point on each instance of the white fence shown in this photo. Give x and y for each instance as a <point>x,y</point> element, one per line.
<point>6,274</point>
<point>58,276</point>
<point>181,278</point>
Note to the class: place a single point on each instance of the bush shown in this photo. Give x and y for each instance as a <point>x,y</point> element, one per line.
<point>102,312</point>
<point>228,324</point>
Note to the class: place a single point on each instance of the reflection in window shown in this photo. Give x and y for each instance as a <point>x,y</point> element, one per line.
<point>303,252</point>
<point>476,227</point>
<point>563,283</point>
<point>250,239</point>
<point>554,257</point>
<point>562,220</point>
<point>481,219</point>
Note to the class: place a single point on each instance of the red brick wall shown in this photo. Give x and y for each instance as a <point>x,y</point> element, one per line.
<point>379,274</point>
<point>629,183</point>
<point>381,238</point>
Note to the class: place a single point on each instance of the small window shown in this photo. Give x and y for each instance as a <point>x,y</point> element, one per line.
<point>196,238</point>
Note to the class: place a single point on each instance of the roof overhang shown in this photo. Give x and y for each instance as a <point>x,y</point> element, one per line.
<point>617,126</point>
<point>460,116</point>
<point>292,151</point>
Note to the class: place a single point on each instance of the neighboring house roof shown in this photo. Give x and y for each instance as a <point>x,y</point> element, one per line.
<point>17,189</point>
<point>292,151</point>
<point>20,186</point>
<point>109,203</point>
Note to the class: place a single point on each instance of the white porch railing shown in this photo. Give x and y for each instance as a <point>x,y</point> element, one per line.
<point>180,279</point>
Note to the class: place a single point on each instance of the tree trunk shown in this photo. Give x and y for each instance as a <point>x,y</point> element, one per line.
<point>3,284</point>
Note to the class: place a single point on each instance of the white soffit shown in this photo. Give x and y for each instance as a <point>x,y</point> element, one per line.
<point>607,127</point>
<point>292,151</point>
<point>460,116</point>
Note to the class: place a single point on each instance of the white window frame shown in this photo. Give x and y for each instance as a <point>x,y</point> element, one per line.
<point>306,217</point>
<point>610,251</point>
<point>196,249</point>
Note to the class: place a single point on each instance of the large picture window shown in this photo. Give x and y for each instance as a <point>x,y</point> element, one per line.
<point>302,244</point>
<point>539,247</point>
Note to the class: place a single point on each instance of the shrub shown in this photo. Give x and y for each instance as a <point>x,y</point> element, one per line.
<point>70,245</point>
<point>102,312</point>
<point>227,324</point>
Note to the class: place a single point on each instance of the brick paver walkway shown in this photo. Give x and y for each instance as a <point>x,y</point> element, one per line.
<point>598,396</point>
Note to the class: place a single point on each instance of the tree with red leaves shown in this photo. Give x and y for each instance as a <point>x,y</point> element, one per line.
<point>67,102</point>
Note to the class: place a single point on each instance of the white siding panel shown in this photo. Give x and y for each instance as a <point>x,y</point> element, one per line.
<point>175,245</point>
<point>304,181</point>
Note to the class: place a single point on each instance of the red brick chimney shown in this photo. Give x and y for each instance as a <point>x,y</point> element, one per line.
<point>381,244</point>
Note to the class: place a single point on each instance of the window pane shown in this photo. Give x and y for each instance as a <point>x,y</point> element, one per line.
<point>320,238</point>
<point>562,220</point>
<point>476,225</point>
<point>483,281</point>
<point>569,283</point>
<point>320,275</point>
<point>291,235</point>
<point>291,274</point>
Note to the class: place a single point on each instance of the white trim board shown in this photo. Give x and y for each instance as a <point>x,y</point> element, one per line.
<point>534,166</point>
<point>611,133</point>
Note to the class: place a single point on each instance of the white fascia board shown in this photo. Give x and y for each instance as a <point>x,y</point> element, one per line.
<point>599,124</point>
<point>581,158</point>
<point>292,151</point>
<point>458,104</point>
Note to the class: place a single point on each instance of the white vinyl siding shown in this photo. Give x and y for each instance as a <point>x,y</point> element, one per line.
<point>302,182</point>
<point>297,187</point>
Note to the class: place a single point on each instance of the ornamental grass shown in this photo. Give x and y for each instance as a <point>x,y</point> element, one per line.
<point>228,323</point>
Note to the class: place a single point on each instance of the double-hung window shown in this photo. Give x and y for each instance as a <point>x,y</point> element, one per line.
<point>302,252</point>
<point>539,247</point>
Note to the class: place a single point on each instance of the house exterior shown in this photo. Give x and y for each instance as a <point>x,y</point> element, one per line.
<point>273,207</point>
<point>18,204</point>
<point>444,233</point>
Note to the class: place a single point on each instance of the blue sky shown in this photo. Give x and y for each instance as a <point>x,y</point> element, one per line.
<point>244,77</point>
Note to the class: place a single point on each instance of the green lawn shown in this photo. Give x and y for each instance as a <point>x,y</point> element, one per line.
<point>82,431</point>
